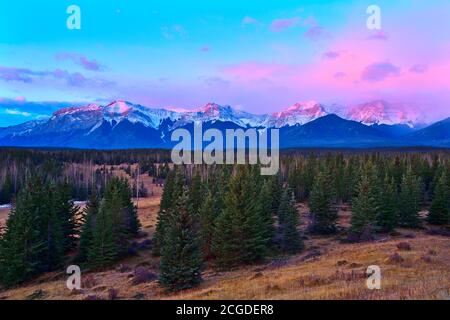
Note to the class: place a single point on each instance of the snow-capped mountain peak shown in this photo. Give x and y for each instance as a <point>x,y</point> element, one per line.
<point>299,113</point>
<point>119,107</point>
<point>382,112</point>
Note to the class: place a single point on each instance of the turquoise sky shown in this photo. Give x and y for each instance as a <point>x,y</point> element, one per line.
<point>260,56</point>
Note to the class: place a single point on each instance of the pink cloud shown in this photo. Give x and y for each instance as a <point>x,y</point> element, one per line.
<point>20,99</point>
<point>283,24</point>
<point>80,60</point>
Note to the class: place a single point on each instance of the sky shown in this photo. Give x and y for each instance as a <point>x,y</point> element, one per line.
<point>257,56</point>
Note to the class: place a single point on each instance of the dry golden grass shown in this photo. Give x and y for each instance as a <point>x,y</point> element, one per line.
<point>327,269</point>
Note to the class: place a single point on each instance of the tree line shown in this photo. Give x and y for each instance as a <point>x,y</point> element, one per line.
<point>227,216</point>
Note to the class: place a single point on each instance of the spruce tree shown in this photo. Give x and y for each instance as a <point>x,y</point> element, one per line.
<point>165,204</point>
<point>387,217</point>
<point>196,195</point>
<point>208,215</point>
<point>409,200</point>
<point>89,218</point>
<point>265,207</point>
<point>103,251</point>
<point>22,246</point>
<point>181,260</point>
<point>240,233</point>
<point>440,207</point>
<point>288,220</point>
<point>366,204</point>
<point>324,216</point>
<point>7,191</point>
<point>52,228</point>
<point>132,222</point>
<point>66,211</point>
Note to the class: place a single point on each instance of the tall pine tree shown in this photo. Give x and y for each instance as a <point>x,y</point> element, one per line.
<point>440,207</point>
<point>22,246</point>
<point>387,218</point>
<point>89,219</point>
<point>288,219</point>
<point>409,200</point>
<point>103,251</point>
<point>366,204</point>
<point>181,259</point>
<point>324,216</point>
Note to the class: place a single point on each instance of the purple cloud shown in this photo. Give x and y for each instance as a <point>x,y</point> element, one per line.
<point>379,35</point>
<point>331,54</point>
<point>283,24</point>
<point>205,49</point>
<point>19,74</point>
<point>249,20</point>
<point>315,33</point>
<point>339,75</point>
<point>379,71</point>
<point>418,68</point>
<point>80,60</point>
<point>30,76</point>
<point>73,79</point>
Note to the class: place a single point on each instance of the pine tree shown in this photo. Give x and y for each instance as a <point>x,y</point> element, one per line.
<point>21,245</point>
<point>366,205</point>
<point>165,204</point>
<point>321,205</point>
<point>52,228</point>
<point>439,211</point>
<point>409,200</point>
<point>208,215</point>
<point>196,194</point>
<point>66,211</point>
<point>181,260</point>
<point>173,189</point>
<point>239,234</point>
<point>387,217</point>
<point>132,222</point>
<point>89,218</point>
<point>103,249</point>
<point>265,207</point>
<point>6,191</point>
<point>290,239</point>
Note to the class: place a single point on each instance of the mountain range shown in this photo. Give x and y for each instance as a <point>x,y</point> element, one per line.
<point>122,124</point>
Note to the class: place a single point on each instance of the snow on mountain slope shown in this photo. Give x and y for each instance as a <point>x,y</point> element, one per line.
<point>214,112</point>
<point>381,112</point>
<point>87,119</point>
<point>299,113</point>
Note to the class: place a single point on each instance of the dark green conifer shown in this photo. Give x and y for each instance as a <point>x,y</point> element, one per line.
<point>181,259</point>
<point>324,216</point>
<point>409,200</point>
<point>288,220</point>
<point>439,211</point>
